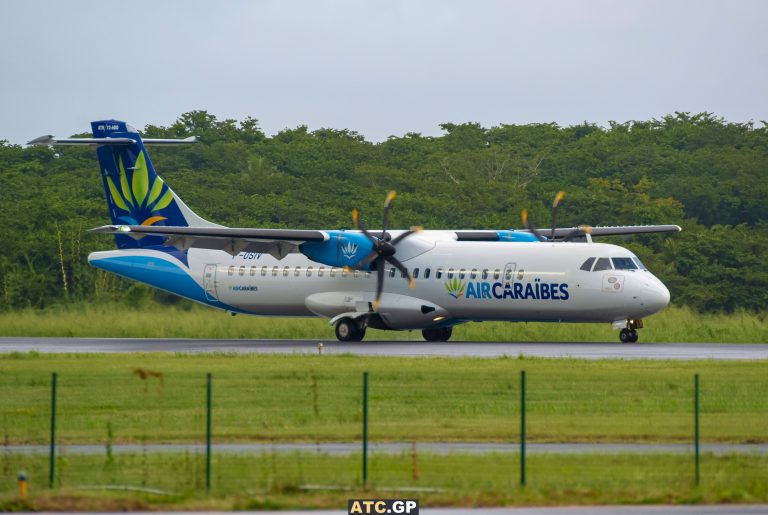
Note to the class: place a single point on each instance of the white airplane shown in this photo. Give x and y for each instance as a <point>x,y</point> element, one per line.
<point>355,278</point>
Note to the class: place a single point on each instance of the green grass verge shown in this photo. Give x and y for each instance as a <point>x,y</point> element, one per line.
<point>187,320</point>
<point>274,481</point>
<point>318,398</point>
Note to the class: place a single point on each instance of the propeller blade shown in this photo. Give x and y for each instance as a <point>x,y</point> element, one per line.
<point>387,204</point>
<point>558,198</point>
<point>403,269</point>
<point>370,258</point>
<point>379,283</point>
<point>361,226</point>
<point>530,226</point>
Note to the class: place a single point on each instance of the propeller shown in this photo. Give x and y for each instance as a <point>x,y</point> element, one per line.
<point>579,231</point>
<point>384,249</point>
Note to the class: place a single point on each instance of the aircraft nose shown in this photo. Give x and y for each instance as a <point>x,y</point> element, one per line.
<point>656,297</point>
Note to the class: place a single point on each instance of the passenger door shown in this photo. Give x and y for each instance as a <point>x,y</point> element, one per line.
<point>209,282</point>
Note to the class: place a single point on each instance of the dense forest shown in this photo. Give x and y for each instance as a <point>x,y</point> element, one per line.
<point>699,171</point>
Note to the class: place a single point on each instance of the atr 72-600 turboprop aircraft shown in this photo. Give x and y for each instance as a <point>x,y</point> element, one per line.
<point>355,277</point>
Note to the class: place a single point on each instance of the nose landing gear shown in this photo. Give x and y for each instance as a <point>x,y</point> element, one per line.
<point>629,333</point>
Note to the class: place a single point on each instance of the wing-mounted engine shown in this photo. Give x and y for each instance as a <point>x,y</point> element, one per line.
<point>341,249</point>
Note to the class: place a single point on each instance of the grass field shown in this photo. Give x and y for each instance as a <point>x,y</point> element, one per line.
<point>274,481</point>
<point>187,320</point>
<point>318,398</point>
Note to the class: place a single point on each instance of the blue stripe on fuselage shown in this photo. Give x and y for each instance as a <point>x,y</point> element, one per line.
<point>159,273</point>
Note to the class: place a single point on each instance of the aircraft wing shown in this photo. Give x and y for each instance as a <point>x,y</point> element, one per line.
<point>276,242</point>
<point>562,232</point>
<point>617,230</point>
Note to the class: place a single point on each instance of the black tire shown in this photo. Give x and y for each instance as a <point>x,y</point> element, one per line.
<point>348,330</point>
<point>635,337</point>
<point>439,334</point>
<point>625,335</point>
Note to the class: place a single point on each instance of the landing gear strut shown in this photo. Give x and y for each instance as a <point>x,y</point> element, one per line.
<point>438,334</point>
<point>629,333</point>
<point>349,330</point>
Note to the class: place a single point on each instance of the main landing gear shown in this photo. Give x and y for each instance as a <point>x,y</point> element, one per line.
<point>350,330</point>
<point>438,334</point>
<point>629,333</point>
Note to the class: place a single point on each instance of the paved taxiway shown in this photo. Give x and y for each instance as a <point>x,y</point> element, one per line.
<point>682,351</point>
<point>346,448</point>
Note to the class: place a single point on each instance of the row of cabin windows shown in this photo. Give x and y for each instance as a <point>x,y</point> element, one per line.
<point>620,263</point>
<point>333,272</point>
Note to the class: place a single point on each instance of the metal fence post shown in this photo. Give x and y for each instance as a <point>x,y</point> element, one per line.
<point>696,425</point>
<point>365,429</point>
<point>522,428</point>
<point>208,434</point>
<point>52,460</point>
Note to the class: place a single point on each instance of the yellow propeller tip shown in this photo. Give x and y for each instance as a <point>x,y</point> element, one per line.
<point>412,283</point>
<point>390,197</point>
<point>376,304</point>
<point>587,229</point>
<point>417,228</point>
<point>525,216</point>
<point>354,215</point>
<point>558,198</point>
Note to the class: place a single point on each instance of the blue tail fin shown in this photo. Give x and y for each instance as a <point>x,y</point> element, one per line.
<point>136,195</point>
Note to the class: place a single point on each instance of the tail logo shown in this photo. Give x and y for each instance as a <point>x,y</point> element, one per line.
<point>141,199</point>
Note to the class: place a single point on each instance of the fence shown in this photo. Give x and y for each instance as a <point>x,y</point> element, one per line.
<point>497,430</point>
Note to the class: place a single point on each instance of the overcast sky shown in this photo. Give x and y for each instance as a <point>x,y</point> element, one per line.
<point>378,67</point>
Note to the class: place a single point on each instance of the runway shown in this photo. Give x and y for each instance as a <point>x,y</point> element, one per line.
<point>674,351</point>
<point>442,448</point>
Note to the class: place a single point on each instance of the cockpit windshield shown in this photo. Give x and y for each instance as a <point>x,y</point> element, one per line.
<point>639,263</point>
<point>624,263</point>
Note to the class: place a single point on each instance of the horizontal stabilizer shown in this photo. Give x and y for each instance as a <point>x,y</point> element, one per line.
<point>51,140</point>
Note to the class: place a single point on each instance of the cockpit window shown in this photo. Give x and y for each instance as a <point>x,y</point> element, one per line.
<point>603,264</point>
<point>639,263</point>
<point>588,264</point>
<point>624,263</point>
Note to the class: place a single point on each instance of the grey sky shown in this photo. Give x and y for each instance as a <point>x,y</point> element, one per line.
<point>381,68</point>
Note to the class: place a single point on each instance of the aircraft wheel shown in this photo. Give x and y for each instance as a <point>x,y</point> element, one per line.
<point>628,336</point>
<point>440,334</point>
<point>348,330</point>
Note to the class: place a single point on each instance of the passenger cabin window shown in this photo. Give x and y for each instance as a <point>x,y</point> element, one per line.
<point>624,263</point>
<point>274,271</point>
<point>507,274</point>
<point>332,272</point>
<point>496,273</point>
<point>320,271</point>
<point>309,271</point>
<point>241,271</point>
<point>426,273</point>
<point>485,273</point>
<point>297,271</point>
<point>473,274</point>
<point>356,273</point>
<point>587,266</point>
<point>415,273</point>
<point>439,273</point>
<point>263,271</point>
<point>391,272</point>
<point>286,271</point>
<point>403,274</point>
<point>231,270</point>
<point>603,264</point>
<point>462,273</point>
<point>253,271</point>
